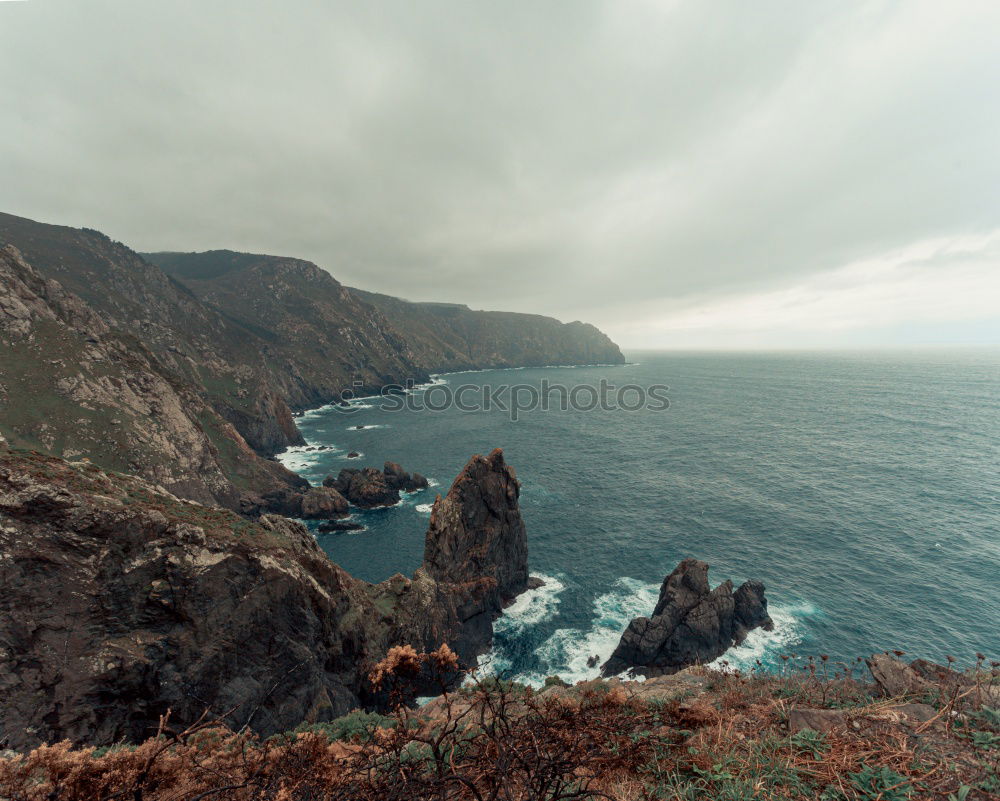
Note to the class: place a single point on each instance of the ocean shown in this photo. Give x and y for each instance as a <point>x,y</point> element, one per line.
<point>862,488</point>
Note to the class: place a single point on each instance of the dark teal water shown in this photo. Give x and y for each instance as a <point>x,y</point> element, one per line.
<point>862,488</point>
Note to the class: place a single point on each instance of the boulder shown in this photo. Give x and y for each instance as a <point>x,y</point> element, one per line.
<point>896,678</point>
<point>323,503</point>
<point>691,624</point>
<point>398,478</point>
<point>822,720</point>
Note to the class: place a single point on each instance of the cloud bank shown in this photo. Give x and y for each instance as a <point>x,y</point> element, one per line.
<point>679,173</point>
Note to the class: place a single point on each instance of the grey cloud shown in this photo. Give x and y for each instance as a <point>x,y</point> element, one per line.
<point>570,158</point>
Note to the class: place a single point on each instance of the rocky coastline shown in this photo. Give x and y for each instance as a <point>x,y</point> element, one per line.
<point>119,601</point>
<point>187,369</point>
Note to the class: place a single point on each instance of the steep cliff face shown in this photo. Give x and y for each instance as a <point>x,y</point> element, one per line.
<point>119,601</point>
<point>72,385</point>
<point>242,341</point>
<point>326,338</point>
<point>376,338</point>
<point>692,623</point>
<point>450,336</point>
<point>224,361</point>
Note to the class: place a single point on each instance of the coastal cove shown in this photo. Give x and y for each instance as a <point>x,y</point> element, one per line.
<point>859,487</point>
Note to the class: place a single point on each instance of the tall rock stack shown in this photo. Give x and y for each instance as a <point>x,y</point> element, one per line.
<point>476,530</point>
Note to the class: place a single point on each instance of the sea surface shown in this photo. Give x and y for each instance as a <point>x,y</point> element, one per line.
<point>862,488</point>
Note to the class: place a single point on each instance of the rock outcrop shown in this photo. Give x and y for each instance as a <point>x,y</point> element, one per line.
<point>119,600</point>
<point>691,624</point>
<point>370,487</point>
<point>476,531</point>
<point>398,478</point>
<point>323,503</point>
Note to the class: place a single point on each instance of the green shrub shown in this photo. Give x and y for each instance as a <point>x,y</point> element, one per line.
<point>356,726</point>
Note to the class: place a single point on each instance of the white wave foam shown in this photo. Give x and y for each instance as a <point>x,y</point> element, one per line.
<point>532,606</point>
<point>567,651</point>
<point>434,382</point>
<point>760,644</point>
<point>357,427</point>
<point>424,508</point>
<point>529,609</point>
<point>299,458</point>
<point>433,482</point>
<point>319,411</point>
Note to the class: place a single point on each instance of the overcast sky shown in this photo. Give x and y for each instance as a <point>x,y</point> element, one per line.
<point>680,173</point>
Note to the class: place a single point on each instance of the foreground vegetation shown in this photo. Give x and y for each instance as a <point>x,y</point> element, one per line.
<point>698,735</point>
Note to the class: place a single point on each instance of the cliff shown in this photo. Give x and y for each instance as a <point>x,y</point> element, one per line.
<point>309,314</point>
<point>322,334</point>
<point>222,361</point>
<point>448,336</point>
<point>72,385</point>
<point>119,601</point>
<point>216,358</point>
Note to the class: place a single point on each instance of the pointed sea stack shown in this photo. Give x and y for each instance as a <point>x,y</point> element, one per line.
<point>476,531</point>
<point>691,624</point>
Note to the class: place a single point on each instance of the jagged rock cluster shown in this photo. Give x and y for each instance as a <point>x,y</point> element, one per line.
<point>119,601</point>
<point>691,624</point>
<point>370,487</point>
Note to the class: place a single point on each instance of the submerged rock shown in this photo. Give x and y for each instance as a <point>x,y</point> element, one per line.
<point>691,624</point>
<point>338,525</point>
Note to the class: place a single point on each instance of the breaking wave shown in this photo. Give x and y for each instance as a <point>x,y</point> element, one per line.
<point>576,654</point>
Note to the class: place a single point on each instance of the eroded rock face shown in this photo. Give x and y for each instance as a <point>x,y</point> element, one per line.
<point>477,530</point>
<point>118,601</point>
<point>74,385</point>
<point>691,624</point>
